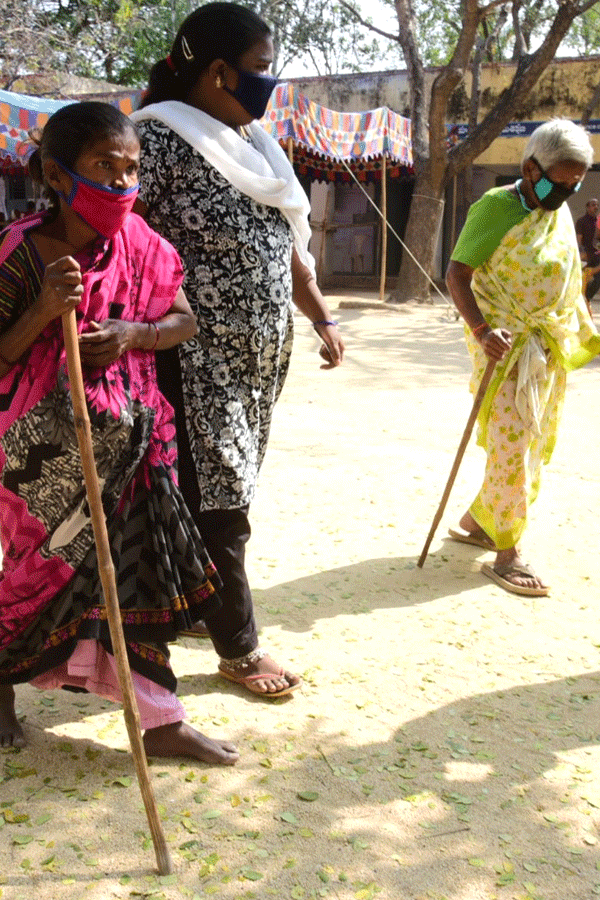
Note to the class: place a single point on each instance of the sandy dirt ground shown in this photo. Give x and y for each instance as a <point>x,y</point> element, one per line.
<point>446,743</point>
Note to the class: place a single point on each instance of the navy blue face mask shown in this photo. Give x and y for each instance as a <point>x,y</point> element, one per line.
<point>253,92</point>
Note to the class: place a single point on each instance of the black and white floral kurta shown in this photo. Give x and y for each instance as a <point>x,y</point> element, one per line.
<point>237,260</point>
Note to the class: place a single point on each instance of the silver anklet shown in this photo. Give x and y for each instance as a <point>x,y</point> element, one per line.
<point>243,662</point>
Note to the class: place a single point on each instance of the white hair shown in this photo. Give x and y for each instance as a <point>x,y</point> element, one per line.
<point>559,140</point>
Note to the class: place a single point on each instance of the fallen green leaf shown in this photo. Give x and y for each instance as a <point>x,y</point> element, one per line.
<point>251,875</point>
<point>22,839</point>
<point>123,781</point>
<point>288,817</point>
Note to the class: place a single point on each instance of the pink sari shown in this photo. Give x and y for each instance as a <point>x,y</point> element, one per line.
<point>50,593</point>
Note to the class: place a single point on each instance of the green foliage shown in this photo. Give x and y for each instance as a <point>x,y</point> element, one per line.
<point>438,26</point>
<point>119,40</point>
<point>584,35</point>
<point>437,29</point>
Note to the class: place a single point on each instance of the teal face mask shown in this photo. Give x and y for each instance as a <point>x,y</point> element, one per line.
<point>550,194</point>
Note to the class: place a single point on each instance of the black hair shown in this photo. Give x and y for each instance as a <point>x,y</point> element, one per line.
<point>71,130</point>
<point>214,31</point>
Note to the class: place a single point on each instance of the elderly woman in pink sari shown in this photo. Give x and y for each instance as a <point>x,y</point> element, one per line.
<point>89,252</point>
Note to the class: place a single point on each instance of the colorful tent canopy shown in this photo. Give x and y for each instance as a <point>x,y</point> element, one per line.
<point>21,112</point>
<point>322,137</point>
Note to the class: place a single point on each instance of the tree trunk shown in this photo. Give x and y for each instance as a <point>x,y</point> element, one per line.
<point>591,106</point>
<point>421,237</point>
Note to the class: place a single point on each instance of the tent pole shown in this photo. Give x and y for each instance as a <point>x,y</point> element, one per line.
<point>330,190</point>
<point>384,228</point>
<point>453,221</point>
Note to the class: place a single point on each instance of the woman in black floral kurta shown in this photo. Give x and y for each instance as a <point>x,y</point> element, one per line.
<point>243,263</point>
<point>237,260</point>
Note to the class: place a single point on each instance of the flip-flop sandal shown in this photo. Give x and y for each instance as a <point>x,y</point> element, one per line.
<point>500,578</point>
<point>463,537</point>
<point>248,681</point>
<point>195,634</point>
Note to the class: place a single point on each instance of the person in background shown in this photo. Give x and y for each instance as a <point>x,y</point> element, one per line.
<point>515,277</point>
<point>91,254</point>
<point>224,193</point>
<point>587,241</point>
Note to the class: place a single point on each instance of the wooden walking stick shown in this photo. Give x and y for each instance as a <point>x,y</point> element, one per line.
<point>487,377</point>
<point>109,587</point>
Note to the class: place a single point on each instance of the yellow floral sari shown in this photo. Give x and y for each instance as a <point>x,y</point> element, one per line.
<point>531,285</point>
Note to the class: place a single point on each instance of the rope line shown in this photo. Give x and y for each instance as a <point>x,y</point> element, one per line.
<point>429,197</point>
<point>397,236</point>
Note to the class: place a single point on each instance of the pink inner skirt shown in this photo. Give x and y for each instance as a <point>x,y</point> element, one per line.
<point>92,668</point>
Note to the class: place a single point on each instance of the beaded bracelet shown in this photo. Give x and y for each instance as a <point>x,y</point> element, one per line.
<point>479,327</point>
<point>324,322</point>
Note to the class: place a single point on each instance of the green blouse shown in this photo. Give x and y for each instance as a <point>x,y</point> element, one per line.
<point>488,220</point>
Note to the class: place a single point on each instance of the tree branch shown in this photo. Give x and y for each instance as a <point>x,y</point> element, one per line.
<point>520,47</point>
<point>529,68</point>
<point>484,11</point>
<point>365,24</point>
<point>448,79</point>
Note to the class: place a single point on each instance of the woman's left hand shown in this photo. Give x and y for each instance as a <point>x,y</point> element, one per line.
<point>105,342</point>
<point>332,348</point>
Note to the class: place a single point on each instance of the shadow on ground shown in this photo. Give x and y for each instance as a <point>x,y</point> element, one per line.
<point>481,792</point>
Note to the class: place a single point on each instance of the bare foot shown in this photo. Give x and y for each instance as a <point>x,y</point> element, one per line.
<point>468,523</point>
<point>507,559</point>
<point>265,676</point>
<point>180,739</point>
<point>11,733</point>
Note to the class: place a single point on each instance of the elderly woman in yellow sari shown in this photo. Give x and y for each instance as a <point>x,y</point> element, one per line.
<point>515,277</point>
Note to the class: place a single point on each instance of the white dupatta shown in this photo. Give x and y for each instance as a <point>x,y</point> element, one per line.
<point>259,169</point>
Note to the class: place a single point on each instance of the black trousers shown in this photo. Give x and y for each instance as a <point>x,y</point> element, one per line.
<point>225,532</point>
<point>594,283</point>
<point>592,286</point>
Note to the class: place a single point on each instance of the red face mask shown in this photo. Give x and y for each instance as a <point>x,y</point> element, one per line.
<point>102,208</point>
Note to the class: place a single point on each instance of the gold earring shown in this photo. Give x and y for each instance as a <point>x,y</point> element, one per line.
<point>218,81</point>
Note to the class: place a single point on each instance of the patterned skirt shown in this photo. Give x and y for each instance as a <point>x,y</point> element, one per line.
<point>50,590</point>
<point>165,582</point>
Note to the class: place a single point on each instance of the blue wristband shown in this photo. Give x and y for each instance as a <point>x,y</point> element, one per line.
<point>324,322</point>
